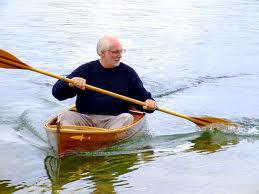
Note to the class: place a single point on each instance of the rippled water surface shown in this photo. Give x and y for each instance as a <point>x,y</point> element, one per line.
<point>197,57</point>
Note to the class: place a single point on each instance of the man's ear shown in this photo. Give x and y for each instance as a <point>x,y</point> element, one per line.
<point>102,53</point>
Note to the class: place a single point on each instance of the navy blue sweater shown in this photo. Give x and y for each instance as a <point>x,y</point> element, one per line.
<point>121,79</point>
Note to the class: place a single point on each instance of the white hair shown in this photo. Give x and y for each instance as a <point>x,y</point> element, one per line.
<point>104,43</point>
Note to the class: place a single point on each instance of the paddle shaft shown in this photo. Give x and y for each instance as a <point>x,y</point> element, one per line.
<point>128,99</point>
<point>96,89</point>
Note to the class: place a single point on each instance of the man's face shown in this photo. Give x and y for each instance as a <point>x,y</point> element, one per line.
<point>113,56</point>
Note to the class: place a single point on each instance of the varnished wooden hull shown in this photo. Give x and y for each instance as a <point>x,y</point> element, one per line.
<point>67,140</point>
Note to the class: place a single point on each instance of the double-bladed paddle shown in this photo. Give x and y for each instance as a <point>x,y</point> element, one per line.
<point>9,61</point>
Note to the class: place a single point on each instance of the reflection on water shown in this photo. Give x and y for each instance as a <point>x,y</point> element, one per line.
<point>6,187</point>
<point>212,141</point>
<point>108,171</point>
<point>102,174</point>
<point>99,174</point>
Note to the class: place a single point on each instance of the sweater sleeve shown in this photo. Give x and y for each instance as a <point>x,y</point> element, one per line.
<point>139,92</point>
<point>62,91</point>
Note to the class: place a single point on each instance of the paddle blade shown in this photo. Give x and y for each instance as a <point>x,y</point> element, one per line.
<point>200,121</point>
<point>205,121</point>
<point>9,61</point>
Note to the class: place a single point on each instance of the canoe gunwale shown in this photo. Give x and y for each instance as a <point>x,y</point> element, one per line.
<point>89,130</point>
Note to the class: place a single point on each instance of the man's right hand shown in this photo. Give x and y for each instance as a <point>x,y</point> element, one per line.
<point>78,82</point>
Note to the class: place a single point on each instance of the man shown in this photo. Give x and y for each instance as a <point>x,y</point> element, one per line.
<point>96,109</point>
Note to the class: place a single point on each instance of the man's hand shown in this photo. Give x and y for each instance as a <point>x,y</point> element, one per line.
<point>150,105</point>
<point>78,82</point>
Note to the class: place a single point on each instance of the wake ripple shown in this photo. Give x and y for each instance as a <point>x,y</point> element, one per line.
<point>28,131</point>
<point>196,82</point>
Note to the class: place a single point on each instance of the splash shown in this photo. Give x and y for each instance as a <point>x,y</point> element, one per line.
<point>243,127</point>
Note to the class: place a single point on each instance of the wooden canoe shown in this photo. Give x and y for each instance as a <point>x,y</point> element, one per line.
<point>68,140</point>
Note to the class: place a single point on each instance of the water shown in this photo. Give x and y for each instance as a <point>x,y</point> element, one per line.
<point>197,57</point>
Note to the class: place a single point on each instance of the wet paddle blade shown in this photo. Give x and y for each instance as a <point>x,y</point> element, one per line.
<point>200,121</point>
<point>205,121</point>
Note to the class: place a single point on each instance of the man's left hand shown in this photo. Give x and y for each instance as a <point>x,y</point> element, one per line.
<point>150,104</point>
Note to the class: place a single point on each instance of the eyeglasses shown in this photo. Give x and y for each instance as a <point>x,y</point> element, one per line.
<point>117,51</point>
